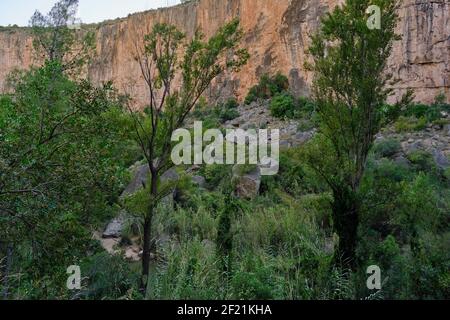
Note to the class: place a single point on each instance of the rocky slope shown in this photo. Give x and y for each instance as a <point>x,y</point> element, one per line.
<point>276,35</point>
<point>433,139</point>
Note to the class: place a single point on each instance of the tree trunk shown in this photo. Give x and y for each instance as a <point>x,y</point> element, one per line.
<point>148,238</point>
<point>146,255</point>
<point>346,222</point>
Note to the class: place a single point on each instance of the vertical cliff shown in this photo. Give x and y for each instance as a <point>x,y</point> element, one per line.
<point>276,35</point>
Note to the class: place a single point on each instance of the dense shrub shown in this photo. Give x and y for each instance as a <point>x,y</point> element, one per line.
<point>387,148</point>
<point>283,106</point>
<point>109,277</point>
<point>422,160</point>
<point>213,117</point>
<point>268,87</point>
<point>408,124</point>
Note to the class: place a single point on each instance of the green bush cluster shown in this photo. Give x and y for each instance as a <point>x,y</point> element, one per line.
<point>417,116</point>
<point>405,229</point>
<point>268,87</point>
<point>213,117</point>
<point>387,148</point>
<point>285,106</point>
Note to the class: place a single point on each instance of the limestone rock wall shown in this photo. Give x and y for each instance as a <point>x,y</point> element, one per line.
<point>276,35</point>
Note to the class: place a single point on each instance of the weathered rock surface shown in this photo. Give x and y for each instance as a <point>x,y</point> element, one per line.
<point>114,228</point>
<point>199,181</point>
<point>247,184</point>
<point>140,177</point>
<point>276,35</point>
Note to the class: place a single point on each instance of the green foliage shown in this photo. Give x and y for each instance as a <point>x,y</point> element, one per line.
<point>405,124</point>
<point>214,174</point>
<point>387,148</point>
<point>108,277</point>
<point>422,160</point>
<point>61,170</point>
<point>282,106</point>
<point>429,112</point>
<point>350,93</point>
<point>417,116</point>
<point>404,225</point>
<point>53,39</point>
<point>213,117</point>
<point>268,87</point>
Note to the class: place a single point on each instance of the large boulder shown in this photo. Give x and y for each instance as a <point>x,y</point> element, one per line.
<point>140,177</point>
<point>199,181</point>
<point>247,184</point>
<point>440,159</point>
<point>301,138</point>
<point>114,229</point>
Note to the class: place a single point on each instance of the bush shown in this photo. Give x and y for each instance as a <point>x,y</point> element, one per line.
<point>283,106</point>
<point>422,160</point>
<point>213,117</point>
<point>214,174</point>
<point>431,112</point>
<point>408,124</point>
<point>306,106</point>
<point>109,277</point>
<point>268,87</point>
<point>387,148</point>
<point>231,104</point>
<point>228,114</point>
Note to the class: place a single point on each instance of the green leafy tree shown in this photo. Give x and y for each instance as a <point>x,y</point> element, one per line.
<point>350,89</point>
<point>59,172</point>
<point>56,40</point>
<point>61,166</point>
<point>199,63</point>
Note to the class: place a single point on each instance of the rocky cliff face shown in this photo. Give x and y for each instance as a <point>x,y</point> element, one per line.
<point>276,35</point>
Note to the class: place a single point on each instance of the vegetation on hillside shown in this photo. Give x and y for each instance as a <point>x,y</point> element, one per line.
<point>340,203</point>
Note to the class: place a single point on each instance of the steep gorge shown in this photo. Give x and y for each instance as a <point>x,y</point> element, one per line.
<point>276,35</point>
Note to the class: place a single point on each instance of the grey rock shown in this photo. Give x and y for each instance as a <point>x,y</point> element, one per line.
<point>199,181</point>
<point>440,159</point>
<point>247,185</point>
<point>414,147</point>
<point>284,144</point>
<point>301,138</point>
<point>114,229</point>
<point>170,175</point>
<point>141,174</point>
<point>402,161</point>
<point>447,130</point>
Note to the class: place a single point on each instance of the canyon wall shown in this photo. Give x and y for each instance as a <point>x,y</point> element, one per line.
<point>276,35</point>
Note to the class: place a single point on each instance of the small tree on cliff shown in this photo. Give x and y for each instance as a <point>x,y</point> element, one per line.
<point>349,63</point>
<point>169,104</point>
<point>55,39</point>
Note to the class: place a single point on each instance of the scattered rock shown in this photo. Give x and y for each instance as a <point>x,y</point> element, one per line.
<point>447,130</point>
<point>140,178</point>
<point>440,159</point>
<point>247,185</point>
<point>301,138</point>
<point>284,144</point>
<point>199,181</point>
<point>402,161</point>
<point>114,228</point>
